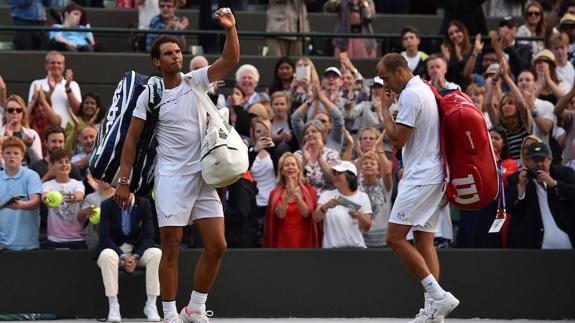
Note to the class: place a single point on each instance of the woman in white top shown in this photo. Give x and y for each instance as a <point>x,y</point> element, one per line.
<point>534,26</point>
<point>345,212</point>
<point>15,123</point>
<point>264,156</point>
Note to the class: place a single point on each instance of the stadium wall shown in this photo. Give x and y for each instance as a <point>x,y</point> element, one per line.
<point>497,284</point>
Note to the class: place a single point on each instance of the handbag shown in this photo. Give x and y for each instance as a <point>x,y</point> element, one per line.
<point>224,155</point>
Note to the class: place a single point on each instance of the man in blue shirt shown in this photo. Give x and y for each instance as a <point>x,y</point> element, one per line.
<point>29,13</point>
<point>20,190</point>
<point>168,20</point>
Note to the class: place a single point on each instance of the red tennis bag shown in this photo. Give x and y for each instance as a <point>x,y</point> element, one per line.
<point>469,162</point>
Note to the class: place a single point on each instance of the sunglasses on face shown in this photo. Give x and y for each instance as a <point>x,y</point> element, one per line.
<point>14,110</point>
<point>533,13</point>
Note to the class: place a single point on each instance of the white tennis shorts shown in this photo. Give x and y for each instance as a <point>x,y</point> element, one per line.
<point>182,199</point>
<point>418,206</point>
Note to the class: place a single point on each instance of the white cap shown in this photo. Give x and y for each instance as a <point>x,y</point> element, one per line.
<point>345,165</point>
<point>332,69</point>
<point>378,80</point>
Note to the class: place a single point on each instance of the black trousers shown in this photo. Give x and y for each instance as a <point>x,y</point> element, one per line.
<point>29,40</point>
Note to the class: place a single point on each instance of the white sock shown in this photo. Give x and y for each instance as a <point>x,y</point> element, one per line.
<point>170,309</point>
<point>151,300</point>
<point>197,300</point>
<point>432,287</point>
<point>113,300</point>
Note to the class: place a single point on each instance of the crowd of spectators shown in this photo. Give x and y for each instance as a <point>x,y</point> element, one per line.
<point>322,172</point>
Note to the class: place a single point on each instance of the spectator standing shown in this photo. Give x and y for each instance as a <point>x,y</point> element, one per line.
<point>90,114</point>
<point>541,198</point>
<point>549,87</point>
<point>126,239</point>
<point>474,225</point>
<point>264,157</point>
<point>534,26</point>
<point>565,112</point>
<point>559,46</point>
<point>288,16</point>
<point>456,49</point>
<point>331,119</point>
<point>284,72</point>
<point>247,78</point>
<point>376,181</point>
<point>518,55</point>
<point>281,122</point>
<point>316,158</point>
<point>167,20</point>
<point>64,92</point>
<point>346,211</point>
<point>301,86</point>
<point>437,71</point>
<point>29,13</point>
<point>65,228</point>
<point>15,123</point>
<point>541,111</point>
<point>289,221</point>
<point>355,16</point>
<point>41,115</point>
<point>20,220</point>
<point>410,41</point>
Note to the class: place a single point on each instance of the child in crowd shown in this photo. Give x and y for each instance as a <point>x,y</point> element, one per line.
<point>65,230</point>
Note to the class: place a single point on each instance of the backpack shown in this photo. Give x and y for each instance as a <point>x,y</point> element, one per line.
<point>469,162</point>
<point>105,158</point>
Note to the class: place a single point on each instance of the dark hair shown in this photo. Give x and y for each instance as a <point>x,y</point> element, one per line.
<point>52,130</point>
<point>409,29</point>
<point>96,98</point>
<point>277,82</point>
<point>504,153</point>
<point>73,7</point>
<point>466,46</point>
<point>58,155</point>
<point>351,180</point>
<point>163,39</point>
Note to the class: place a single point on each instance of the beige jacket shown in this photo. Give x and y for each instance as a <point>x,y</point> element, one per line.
<point>286,16</point>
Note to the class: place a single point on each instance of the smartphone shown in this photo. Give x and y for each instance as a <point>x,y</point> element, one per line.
<point>303,72</point>
<point>12,200</point>
<point>280,131</point>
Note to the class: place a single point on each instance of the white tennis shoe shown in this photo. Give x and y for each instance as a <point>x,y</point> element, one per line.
<point>435,311</point>
<point>203,317</point>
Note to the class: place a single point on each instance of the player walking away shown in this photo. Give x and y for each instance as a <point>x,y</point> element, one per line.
<point>182,196</point>
<point>416,130</point>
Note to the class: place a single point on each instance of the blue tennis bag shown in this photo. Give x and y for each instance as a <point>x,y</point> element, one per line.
<point>105,158</point>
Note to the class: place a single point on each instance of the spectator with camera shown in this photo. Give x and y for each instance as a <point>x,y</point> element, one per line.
<point>20,190</point>
<point>541,198</point>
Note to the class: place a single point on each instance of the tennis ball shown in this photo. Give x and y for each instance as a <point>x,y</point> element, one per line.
<point>54,199</point>
<point>95,216</point>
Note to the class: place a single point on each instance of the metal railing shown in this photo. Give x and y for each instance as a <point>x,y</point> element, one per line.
<point>387,38</point>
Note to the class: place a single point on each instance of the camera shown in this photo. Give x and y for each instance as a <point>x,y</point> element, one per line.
<point>532,173</point>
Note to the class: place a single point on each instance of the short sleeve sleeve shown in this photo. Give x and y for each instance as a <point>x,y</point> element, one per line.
<point>200,79</point>
<point>325,197</point>
<point>78,186</point>
<point>141,105</point>
<point>34,183</point>
<point>408,109</point>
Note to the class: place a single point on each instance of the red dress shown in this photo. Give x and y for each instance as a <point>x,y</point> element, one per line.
<point>293,231</point>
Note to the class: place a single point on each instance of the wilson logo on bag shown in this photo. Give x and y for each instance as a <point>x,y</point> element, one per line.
<point>469,161</point>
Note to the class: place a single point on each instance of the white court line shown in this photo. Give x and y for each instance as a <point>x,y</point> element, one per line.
<point>323,320</point>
